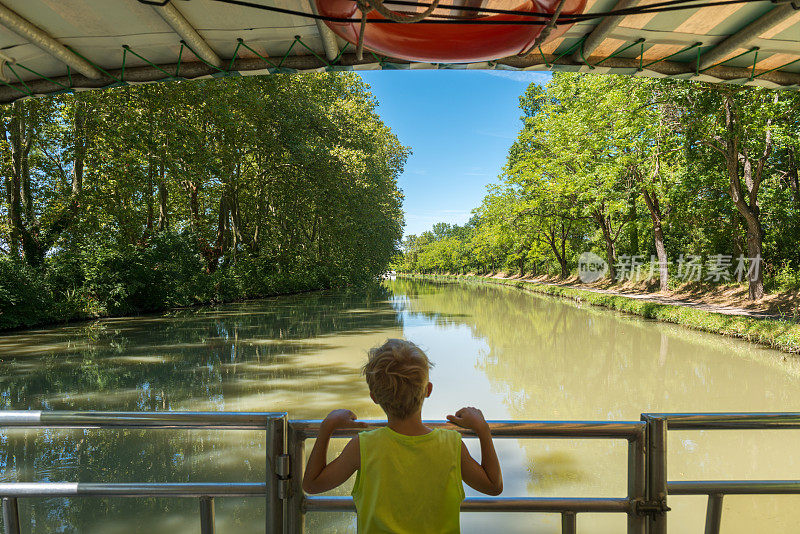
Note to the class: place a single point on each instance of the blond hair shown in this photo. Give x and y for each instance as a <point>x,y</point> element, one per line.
<point>397,376</point>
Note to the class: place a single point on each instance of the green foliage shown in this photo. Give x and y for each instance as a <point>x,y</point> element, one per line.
<point>129,279</point>
<point>635,166</point>
<point>148,197</point>
<point>24,295</point>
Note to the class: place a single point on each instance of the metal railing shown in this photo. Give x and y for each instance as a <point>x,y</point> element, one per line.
<point>635,504</point>
<point>717,489</point>
<point>274,424</point>
<point>645,504</point>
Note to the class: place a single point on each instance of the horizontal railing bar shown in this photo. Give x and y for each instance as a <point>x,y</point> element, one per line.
<point>495,504</point>
<point>733,487</point>
<point>187,420</point>
<point>729,421</point>
<point>307,429</point>
<point>132,489</point>
<point>506,429</point>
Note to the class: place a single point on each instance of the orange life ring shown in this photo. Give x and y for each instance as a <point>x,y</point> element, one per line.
<point>446,43</point>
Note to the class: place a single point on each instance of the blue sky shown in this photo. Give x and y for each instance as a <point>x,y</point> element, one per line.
<point>459,125</point>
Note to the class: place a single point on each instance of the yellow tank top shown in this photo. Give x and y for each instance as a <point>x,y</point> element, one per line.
<point>409,484</point>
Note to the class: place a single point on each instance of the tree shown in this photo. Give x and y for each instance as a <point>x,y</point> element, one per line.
<point>650,150</point>
<point>35,228</point>
<point>739,126</point>
<point>575,151</point>
<point>714,167</point>
<point>159,195</point>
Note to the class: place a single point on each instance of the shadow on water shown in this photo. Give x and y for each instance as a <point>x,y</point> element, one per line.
<point>293,353</point>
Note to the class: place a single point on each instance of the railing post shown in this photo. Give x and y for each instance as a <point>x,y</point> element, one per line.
<point>206,515</point>
<point>656,472</point>
<point>294,516</point>
<point>568,520</point>
<point>637,492</point>
<point>10,515</point>
<point>277,474</point>
<point>714,513</point>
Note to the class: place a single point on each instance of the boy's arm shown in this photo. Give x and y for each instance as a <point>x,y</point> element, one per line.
<point>485,477</point>
<point>321,476</point>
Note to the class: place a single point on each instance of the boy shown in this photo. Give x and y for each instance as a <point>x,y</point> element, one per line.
<point>409,476</point>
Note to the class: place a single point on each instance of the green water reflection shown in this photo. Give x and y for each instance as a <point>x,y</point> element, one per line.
<point>513,354</point>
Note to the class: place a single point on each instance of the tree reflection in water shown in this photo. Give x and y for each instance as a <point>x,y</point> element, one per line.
<point>300,354</point>
<point>551,359</point>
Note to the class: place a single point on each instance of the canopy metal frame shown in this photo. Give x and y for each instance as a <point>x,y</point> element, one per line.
<point>753,43</point>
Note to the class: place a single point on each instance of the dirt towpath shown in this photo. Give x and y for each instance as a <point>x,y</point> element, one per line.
<point>664,299</point>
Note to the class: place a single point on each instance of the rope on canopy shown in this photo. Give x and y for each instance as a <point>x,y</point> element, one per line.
<point>671,5</point>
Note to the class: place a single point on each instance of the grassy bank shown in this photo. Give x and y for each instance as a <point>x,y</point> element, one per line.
<point>775,333</point>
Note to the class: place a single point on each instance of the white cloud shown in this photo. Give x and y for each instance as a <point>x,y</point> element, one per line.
<point>521,76</point>
<point>494,134</point>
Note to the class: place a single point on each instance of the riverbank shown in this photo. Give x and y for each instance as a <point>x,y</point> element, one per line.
<point>36,298</point>
<point>88,319</point>
<point>773,332</point>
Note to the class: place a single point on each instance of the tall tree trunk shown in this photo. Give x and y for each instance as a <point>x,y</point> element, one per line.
<point>746,199</point>
<point>193,190</point>
<point>27,193</point>
<point>151,170</point>
<point>562,262</point>
<point>755,237</point>
<point>634,228</point>
<point>555,236</point>
<point>13,237</point>
<point>564,237</point>
<point>737,233</point>
<point>214,254</point>
<point>14,218</point>
<point>235,222</point>
<point>23,222</point>
<point>794,176</point>
<point>14,189</point>
<point>80,139</point>
<point>651,200</point>
<point>611,251</point>
<point>12,208</point>
<point>163,199</point>
<point>27,231</point>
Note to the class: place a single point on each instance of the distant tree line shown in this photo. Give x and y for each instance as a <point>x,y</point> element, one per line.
<point>152,196</point>
<point>655,169</point>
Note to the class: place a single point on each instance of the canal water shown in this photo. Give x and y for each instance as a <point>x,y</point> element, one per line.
<point>513,354</point>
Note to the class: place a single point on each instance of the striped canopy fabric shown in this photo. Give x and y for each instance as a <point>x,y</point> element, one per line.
<point>50,46</point>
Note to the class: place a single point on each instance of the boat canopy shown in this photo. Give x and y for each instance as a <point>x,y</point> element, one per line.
<point>51,46</point>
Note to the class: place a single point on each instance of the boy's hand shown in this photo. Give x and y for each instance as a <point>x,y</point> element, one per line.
<point>341,419</point>
<point>471,418</point>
